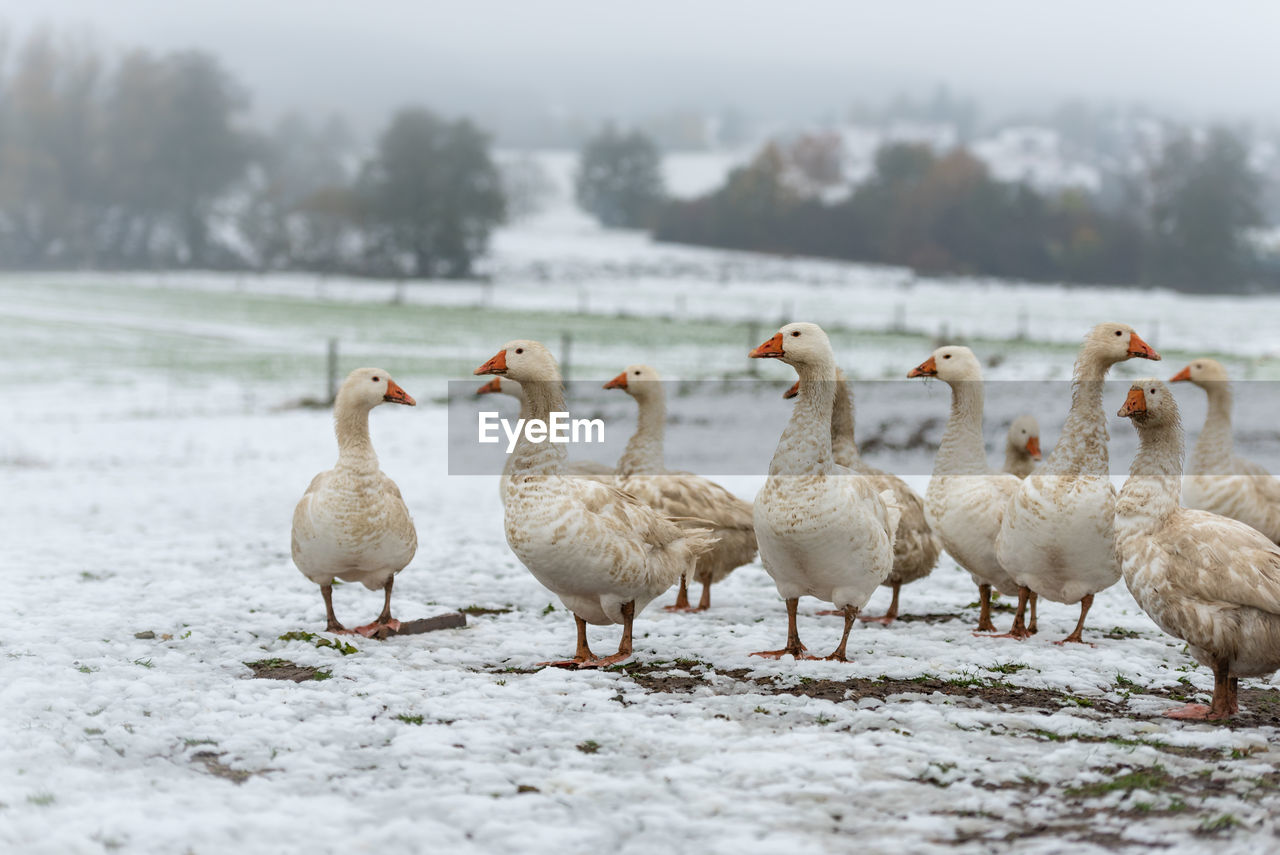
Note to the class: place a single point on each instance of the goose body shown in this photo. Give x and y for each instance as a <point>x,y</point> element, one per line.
<point>823,531</point>
<point>642,472</point>
<point>352,523</point>
<point>1057,537</point>
<point>1218,480</point>
<point>604,553</point>
<point>1212,581</point>
<point>915,547</point>
<point>965,501</point>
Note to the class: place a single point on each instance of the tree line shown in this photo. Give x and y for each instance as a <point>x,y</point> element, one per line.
<point>1181,223</point>
<point>147,161</point>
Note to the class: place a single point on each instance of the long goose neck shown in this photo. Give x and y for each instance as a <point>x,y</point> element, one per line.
<point>1016,460</point>
<point>541,399</point>
<point>644,452</point>
<point>1082,446</point>
<point>355,448</point>
<point>962,451</point>
<point>805,446</point>
<point>844,448</point>
<point>1212,454</point>
<point>1155,478</point>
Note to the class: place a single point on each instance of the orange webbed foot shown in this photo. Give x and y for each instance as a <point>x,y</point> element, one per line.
<point>378,629</point>
<point>1196,712</point>
<point>604,661</point>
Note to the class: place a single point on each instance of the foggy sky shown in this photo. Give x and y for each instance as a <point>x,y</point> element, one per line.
<point>791,59</point>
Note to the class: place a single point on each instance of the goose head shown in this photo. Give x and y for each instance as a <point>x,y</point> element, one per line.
<point>1110,343</point>
<point>524,361</point>
<point>1024,435</point>
<point>1149,404</point>
<point>796,344</point>
<point>951,364</point>
<point>638,381</point>
<point>366,388</point>
<point>1202,372</point>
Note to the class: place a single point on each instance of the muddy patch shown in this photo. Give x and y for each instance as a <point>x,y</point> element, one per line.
<point>283,669</point>
<point>212,763</point>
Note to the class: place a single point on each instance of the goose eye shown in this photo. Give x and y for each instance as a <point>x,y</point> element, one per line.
<point>374,379</point>
<point>946,356</point>
<point>1119,332</point>
<point>795,333</point>
<point>637,373</point>
<point>519,350</point>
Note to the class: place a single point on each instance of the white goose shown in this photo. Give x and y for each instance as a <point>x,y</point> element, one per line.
<point>584,468</point>
<point>352,523</point>
<point>966,500</point>
<point>915,546</point>
<point>604,553</point>
<point>1212,581</point>
<point>823,532</point>
<point>642,472</point>
<point>1057,538</point>
<point>1022,446</point>
<point>1218,480</point>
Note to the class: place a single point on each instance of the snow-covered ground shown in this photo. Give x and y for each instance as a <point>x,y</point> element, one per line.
<point>150,460</point>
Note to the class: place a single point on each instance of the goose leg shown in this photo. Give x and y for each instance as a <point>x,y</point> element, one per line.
<point>1075,636</point>
<point>1233,696</point>
<point>889,616</point>
<point>1220,707</point>
<point>624,646</point>
<point>682,598</point>
<point>384,624</point>
<point>704,602</point>
<point>326,591</point>
<point>984,617</point>
<point>838,655</point>
<point>794,647</point>
<point>1031,627</point>
<point>582,654</point>
<point>1019,629</point>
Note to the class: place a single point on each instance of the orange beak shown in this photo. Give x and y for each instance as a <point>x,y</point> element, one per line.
<point>928,368</point>
<point>1134,404</point>
<point>1184,374</point>
<point>1033,447</point>
<point>497,365</point>
<point>619,382</point>
<point>1138,347</point>
<point>771,349</point>
<point>492,387</point>
<point>792,392</point>
<point>396,395</point>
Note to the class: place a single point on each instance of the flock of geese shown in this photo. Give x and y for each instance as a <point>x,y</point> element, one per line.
<point>1198,553</point>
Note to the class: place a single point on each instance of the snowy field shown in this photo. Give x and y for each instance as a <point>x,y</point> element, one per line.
<point>151,456</point>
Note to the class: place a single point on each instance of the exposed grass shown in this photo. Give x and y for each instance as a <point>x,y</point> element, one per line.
<point>1152,779</point>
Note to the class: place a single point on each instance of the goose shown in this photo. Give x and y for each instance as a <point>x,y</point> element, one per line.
<point>352,523</point>
<point>915,547</point>
<point>1218,480</point>
<point>965,501</point>
<point>642,472</point>
<point>583,468</point>
<point>1207,579</point>
<point>822,531</point>
<point>1057,537</point>
<point>603,552</point>
<point>1022,446</point>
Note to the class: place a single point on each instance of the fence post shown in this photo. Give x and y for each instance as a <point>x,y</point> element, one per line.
<point>333,371</point>
<point>566,352</point>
